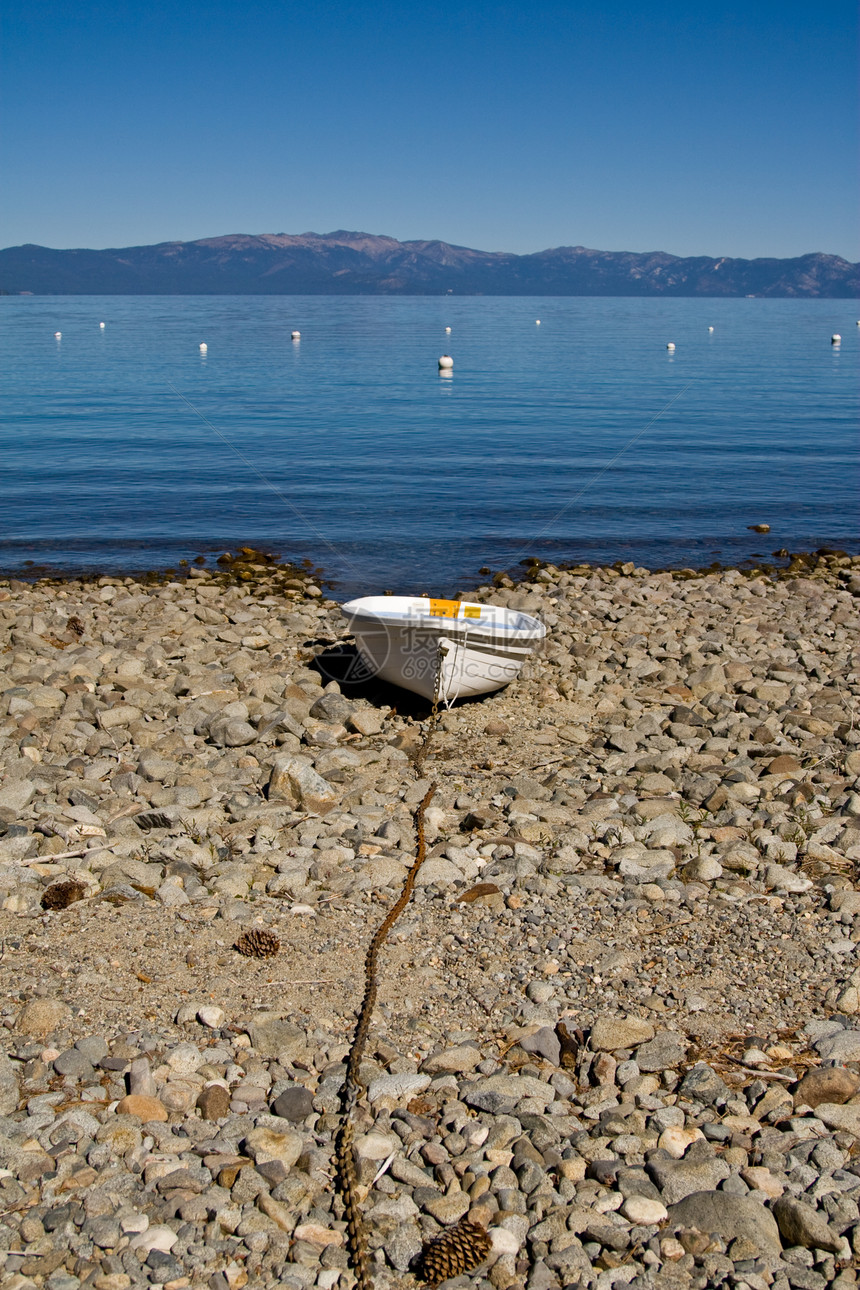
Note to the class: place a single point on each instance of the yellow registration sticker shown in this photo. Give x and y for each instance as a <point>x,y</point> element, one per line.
<point>471,611</point>
<point>444,608</point>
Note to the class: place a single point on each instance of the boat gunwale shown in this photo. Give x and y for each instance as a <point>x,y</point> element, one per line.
<point>525,627</point>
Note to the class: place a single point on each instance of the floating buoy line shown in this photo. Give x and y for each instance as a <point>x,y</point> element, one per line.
<point>446,362</point>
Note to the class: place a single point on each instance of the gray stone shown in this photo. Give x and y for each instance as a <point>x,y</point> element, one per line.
<point>16,847</point>
<point>264,1145</point>
<point>130,870</point>
<point>184,1060</point>
<point>611,1033</point>
<point>717,1212</point>
<point>74,1064</point>
<point>42,1016</point>
<point>741,857</point>
<point>705,868</point>
<point>844,1046</point>
<point>622,740</point>
<point>332,708</point>
<point>438,872</point>
<point>366,721</point>
<point>406,1171</point>
<point>518,1087</point>
<point>572,1258</point>
<point>165,1267</point>
<point>704,1085</point>
<point>545,1043</point>
<point>294,1103</point>
<point>540,991</point>
<point>403,1245</point>
<point>396,1087</point>
<point>8,1086</point>
<point>140,1078</point>
<point>294,780</point>
<point>485,1099</point>
<point>273,1037</point>
<point>447,1209</point>
<point>801,1224</point>
<point>103,1231</point>
<point>648,866</point>
<point>662,1052</point>
<point>541,1277</point>
<point>76,1123</point>
<point>666,831</point>
<point>452,1061</point>
<point>707,678</point>
<point>231,732</point>
<point>16,795</point>
<point>93,1047</point>
<point>835,1116</point>
<point>694,1173</point>
<point>779,878</point>
<point>154,767</point>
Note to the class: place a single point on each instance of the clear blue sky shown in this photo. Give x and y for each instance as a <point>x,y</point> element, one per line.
<point>712,129</point>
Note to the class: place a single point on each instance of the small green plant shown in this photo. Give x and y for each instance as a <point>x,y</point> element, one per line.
<point>689,815</point>
<point>228,850</point>
<point>194,832</point>
<point>803,820</point>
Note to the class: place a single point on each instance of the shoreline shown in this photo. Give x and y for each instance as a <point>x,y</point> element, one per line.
<point>627,979</point>
<point>254,566</point>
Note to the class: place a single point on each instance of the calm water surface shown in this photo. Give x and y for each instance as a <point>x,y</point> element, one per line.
<point>583,438</point>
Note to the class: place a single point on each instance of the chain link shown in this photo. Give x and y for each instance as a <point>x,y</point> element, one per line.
<point>346,1174</point>
<point>420,756</point>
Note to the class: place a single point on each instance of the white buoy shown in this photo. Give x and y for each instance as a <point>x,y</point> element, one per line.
<point>710,329</point>
<point>537,322</point>
<point>670,346</point>
<point>296,335</point>
<point>203,347</point>
<point>448,329</point>
<point>445,362</point>
<point>835,339</point>
<point>57,335</point>
<point>102,326</point>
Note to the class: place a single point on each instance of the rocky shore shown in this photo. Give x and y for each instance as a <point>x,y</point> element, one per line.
<point>618,1026</point>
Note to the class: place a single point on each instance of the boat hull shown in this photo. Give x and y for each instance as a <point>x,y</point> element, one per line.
<point>442,654</point>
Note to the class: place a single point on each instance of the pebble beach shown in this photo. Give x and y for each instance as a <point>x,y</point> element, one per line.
<point>618,1026</point>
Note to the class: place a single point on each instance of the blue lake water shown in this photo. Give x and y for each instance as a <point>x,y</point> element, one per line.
<point>584,438</point>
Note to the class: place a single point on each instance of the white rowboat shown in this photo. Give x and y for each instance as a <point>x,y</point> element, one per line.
<point>449,649</point>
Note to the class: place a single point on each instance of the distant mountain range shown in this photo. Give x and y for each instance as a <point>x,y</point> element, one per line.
<point>344,263</point>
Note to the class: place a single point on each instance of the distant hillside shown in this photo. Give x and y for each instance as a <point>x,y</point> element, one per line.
<point>344,263</point>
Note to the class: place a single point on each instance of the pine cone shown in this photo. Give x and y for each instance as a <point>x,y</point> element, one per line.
<point>258,944</point>
<point>459,1249</point>
<point>62,894</point>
